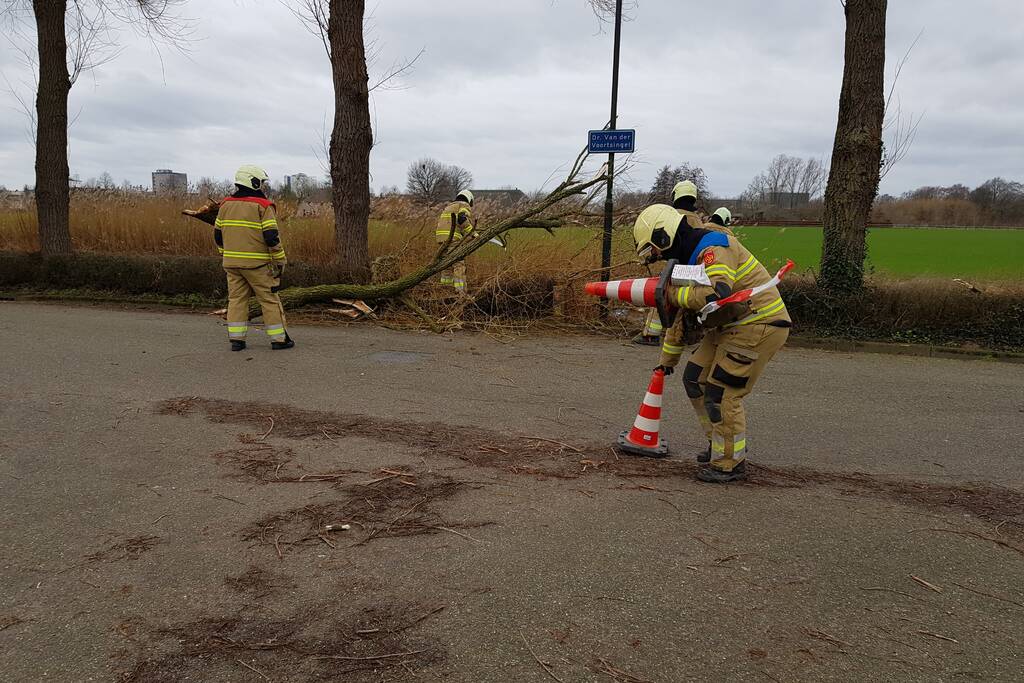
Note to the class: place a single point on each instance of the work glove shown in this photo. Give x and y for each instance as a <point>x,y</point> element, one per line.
<point>666,369</point>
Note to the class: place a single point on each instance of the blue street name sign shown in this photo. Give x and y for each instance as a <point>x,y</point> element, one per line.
<point>612,141</point>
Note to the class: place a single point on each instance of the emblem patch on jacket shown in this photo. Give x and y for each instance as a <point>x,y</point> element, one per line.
<point>709,258</point>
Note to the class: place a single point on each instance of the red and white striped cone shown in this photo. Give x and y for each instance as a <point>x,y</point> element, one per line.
<point>643,438</point>
<point>639,292</point>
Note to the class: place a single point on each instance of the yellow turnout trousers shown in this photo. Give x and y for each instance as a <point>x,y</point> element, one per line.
<point>262,283</point>
<point>721,371</point>
<point>455,277</point>
<point>652,324</point>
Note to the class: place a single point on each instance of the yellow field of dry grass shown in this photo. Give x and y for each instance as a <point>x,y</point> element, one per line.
<point>126,225</point>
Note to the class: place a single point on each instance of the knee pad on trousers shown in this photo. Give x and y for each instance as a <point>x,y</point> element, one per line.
<point>691,380</point>
<point>713,402</point>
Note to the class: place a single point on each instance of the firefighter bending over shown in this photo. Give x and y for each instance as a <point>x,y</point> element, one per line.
<point>456,223</point>
<point>684,200</point>
<point>247,237</point>
<point>740,339</point>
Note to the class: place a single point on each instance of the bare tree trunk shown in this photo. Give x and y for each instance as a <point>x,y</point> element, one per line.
<point>351,138</point>
<point>857,152</point>
<point>52,196</point>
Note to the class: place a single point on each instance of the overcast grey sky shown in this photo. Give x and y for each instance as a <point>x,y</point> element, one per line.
<point>509,89</point>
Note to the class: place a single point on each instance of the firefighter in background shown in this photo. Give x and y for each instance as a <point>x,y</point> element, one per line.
<point>721,221</point>
<point>684,200</point>
<point>456,222</point>
<point>739,341</point>
<point>247,236</point>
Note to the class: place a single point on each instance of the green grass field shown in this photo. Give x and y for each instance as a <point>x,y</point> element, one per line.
<point>904,252</point>
<point>901,253</point>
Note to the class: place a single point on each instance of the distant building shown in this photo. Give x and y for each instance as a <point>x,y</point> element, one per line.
<point>292,182</point>
<point>166,181</point>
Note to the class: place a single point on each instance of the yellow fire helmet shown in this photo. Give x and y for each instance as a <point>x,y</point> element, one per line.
<point>251,176</point>
<point>655,228</point>
<point>465,195</point>
<point>684,188</point>
<point>724,214</point>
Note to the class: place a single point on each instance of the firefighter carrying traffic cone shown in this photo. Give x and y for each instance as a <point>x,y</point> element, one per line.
<point>740,338</point>
<point>684,200</point>
<point>247,237</point>
<point>456,223</point>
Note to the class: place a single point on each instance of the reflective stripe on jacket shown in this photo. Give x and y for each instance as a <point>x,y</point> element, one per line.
<point>730,268</point>
<point>452,215</point>
<point>249,232</point>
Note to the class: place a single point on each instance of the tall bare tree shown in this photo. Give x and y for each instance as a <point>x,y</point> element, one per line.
<point>785,177</point>
<point>73,36</point>
<point>431,181</point>
<point>53,199</point>
<point>857,151</point>
<point>340,25</point>
<point>351,137</point>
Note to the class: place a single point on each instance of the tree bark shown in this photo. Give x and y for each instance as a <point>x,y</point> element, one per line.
<point>857,151</point>
<point>52,195</point>
<point>351,138</point>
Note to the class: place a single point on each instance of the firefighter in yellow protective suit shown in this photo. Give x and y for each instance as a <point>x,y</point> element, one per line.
<point>456,223</point>
<point>721,221</point>
<point>684,200</point>
<point>739,341</point>
<point>247,236</point>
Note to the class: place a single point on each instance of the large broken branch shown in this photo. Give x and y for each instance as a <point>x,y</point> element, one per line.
<point>532,217</point>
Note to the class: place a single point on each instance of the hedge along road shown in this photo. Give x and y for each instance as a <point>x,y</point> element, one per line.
<point>163,510</point>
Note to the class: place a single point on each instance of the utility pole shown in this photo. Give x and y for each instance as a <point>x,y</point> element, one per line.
<point>606,242</point>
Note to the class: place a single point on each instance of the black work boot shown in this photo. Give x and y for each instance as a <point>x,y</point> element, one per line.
<point>286,344</point>
<point>713,476</point>
<point>237,345</point>
<point>704,456</point>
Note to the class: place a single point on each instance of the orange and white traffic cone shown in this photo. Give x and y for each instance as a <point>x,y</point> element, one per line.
<point>639,292</point>
<point>643,438</point>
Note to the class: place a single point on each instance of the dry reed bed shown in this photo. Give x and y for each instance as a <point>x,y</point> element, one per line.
<point>146,247</point>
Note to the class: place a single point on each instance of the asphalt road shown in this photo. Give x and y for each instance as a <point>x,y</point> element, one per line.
<point>585,577</point>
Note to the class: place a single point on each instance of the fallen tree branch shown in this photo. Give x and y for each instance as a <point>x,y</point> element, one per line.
<point>415,308</point>
<point>452,251</point>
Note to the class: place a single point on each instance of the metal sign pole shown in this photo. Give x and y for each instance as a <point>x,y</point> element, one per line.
<point>606,242</point>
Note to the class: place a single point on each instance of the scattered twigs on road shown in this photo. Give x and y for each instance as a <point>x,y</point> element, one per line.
<point>828,638</point>
<point>975,534</point>
<point>890,590</point>
<point>7,622</point>
<point>559,443</point>
<point>929,586</point>
<point>263,437</point>
<point>940,637</point>
<point>233,500</point>
<point>543,665</point>
<point>603,666</point>
<point>453,531</point>
<point>370,658</point>
<point>699,537</point>
<point>989,595</point>
<point>254,669</point>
